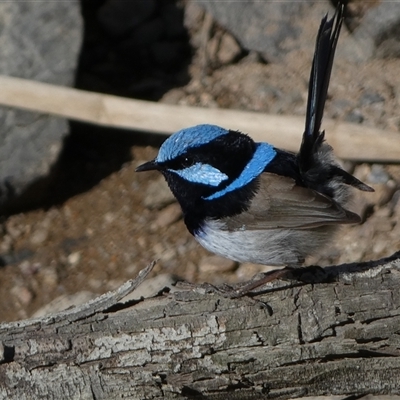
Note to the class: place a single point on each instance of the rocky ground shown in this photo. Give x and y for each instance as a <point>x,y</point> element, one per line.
<point>100,222</point>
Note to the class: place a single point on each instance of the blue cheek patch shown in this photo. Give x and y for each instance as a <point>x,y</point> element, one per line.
<point>201,173</point>
<point>184,139</point>
<point>263,155</point>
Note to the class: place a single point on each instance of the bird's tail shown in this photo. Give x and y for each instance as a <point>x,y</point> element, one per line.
<point>313,155</point>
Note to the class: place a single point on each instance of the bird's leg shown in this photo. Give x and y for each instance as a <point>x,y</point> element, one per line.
<point>268,277</point>
<point>223,290</point>
<point>234,293</point>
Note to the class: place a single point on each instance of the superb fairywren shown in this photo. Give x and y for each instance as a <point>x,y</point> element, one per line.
<point>252,202</point>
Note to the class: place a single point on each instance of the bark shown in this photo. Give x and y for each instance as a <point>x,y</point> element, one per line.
<point>335,331</point>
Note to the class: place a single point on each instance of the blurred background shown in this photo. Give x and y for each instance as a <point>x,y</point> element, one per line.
<point>77,221</point>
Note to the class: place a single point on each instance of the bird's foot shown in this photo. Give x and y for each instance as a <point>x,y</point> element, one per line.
<point>240,290</point>
<point>311,274</point>
<point>247,289</point>
<point>223,290</point>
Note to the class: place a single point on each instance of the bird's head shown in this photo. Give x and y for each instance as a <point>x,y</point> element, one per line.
<point>206,162</point>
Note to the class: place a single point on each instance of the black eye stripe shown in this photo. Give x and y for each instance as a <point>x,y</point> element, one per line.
<point>229,154</point>
<point>181,162</point>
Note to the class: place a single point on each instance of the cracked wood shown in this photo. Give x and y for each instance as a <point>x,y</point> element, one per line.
<point>337,334</point>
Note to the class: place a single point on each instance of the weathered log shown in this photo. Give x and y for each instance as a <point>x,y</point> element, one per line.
<point>332,331</point>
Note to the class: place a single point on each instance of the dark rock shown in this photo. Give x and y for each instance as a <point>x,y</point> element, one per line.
<point>355,11</point>
<point>370,97</point>
<point>173,20</point>
<point>338,107</point>
<point>269,27</point>
<point>120,59</point>
<point>276,28</point>
<point>355,116</point>
<point>252,58</point>
<point>390,47</point>
<point>15,257</point>
<point>167,54</point>
<point>378,174</point>
<point>39,41</point>
<point>378,33</point>
<point>146,34</point>
<point>118,17</point>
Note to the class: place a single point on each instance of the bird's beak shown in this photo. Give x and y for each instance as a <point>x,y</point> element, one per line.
<point>148,166</point>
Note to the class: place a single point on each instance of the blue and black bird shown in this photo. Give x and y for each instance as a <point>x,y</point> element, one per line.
<point>252,202</point>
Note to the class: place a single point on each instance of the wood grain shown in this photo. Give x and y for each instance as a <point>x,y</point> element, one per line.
<point>337,335</point>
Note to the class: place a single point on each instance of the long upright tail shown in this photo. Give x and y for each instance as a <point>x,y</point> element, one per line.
<point>314,160</point>
<point>328,35</point>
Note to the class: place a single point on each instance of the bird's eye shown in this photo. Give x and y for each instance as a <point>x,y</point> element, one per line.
<point>181,162</point>
<point>187,162</point>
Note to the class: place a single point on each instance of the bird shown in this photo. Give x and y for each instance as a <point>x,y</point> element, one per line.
<point>252,202</point>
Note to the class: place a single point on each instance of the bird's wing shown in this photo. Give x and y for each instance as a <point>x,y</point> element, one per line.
<point>280,203</point>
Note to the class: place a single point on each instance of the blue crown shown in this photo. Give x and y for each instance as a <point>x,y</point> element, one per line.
<point>184,139</point>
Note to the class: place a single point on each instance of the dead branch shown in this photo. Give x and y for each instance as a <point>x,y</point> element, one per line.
<point>350,141</point>
<point>338,334</point>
